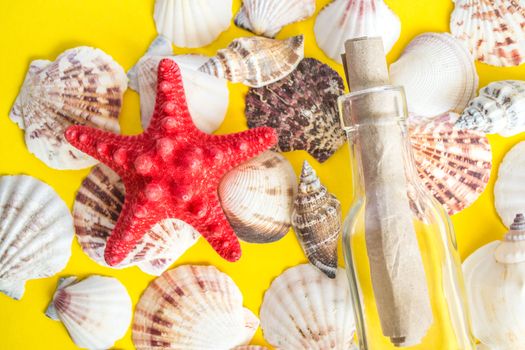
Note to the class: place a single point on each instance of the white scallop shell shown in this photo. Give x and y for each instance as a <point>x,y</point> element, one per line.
<point>192,308</point>
<point>348,19</point>
<point>83,86</point>
<point>36,230</point>
<point>304,309</point>
<point>267,17</point>
<point>96,311</point>
<point>437,73</point>
<point>192,23</point>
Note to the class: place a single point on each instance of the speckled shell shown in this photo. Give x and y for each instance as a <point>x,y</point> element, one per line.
<point>499,109</point>
<point>192,308</point>
<point>83,86</point>
<point>192,23</point>
<point>492,30</point>
<point>256,61</point>
<point>96,209</point>
<point>36,230</point>
<point>317,221</point>
<point>257,198</point>
<point>341,20</point>
<point>267,17</point>
<point>96,311</point>
<point>437,73</point>
<point>303,309</point>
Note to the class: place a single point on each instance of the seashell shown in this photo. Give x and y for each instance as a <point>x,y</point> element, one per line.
<point>192,307</point>
<point>492,30</point>
<point>36,230</point>
<point>303,309</point>
<point>302,108</point>
<point>160,46</point>
<point>453,164</point>
<point>349,19</point>
<point>256,61</point>
<point>317,221</point>
<point>437,73</point>
<point>499,108</point>
<point>267,17</point>
<point>96,209</point>
<point>96,311</point>
<point>83,86</point>
<point>251,347</point>
<point>192,23</point>
<point>257,198</point>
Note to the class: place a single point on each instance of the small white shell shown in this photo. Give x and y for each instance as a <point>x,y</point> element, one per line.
<point>36,230</point>
<point>96,311</point>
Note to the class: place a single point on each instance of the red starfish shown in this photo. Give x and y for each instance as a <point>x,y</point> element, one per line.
<point>172,170</point>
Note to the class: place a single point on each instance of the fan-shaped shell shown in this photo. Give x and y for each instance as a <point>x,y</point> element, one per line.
<point>256,61</point>
<point>492,30</point>
<point>192,23</point>
<point>437,73</point>
<point>36,230</point>
<point>302,108</point>
<point>303,309</point>
<point>192,308</point>
<point>267,17</point>
<point>348,19</point>
<point>97,207</point>
<point>96,311</point>
<point>257,198</point>
<point>454,164</point>
<point>83,86</point>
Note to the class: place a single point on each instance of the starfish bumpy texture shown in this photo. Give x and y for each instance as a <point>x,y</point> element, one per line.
<point>172,170</point>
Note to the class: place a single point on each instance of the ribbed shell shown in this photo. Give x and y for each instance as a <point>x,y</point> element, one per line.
<point>499,109</point>
<point>341,20</point>
<point>302,108</point>
<point>303,309</point>
<point>256,61</point>
<point>83,86</point>
<point>512,249</point>
<point>36,230</point>
<point>257,198</point>
<point>267,17</point>
<point>492,30</point>
<point>96,209</point>
<point>192,308</point>
<point>437,73</point>
<point>317,221</point>
<point>96,311</point>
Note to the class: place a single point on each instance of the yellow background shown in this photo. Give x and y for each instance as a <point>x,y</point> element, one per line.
<point>42,29</point>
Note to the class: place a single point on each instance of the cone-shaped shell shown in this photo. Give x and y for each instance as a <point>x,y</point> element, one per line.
<point>257,198</point>
<point>317,221</point>
<point>256,61</point>
<point>83,86</point>
<point>512,249</point>
<point>36,230</point>
<point>192,307</point>
<point>96,311</point>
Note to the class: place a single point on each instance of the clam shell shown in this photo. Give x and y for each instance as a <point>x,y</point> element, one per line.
<point>257,198</point>
<point>499,108</point>
<point>160,46</point>
<point>303,309</point>
<point>348,19</point>
<point>256,61</point>
<point>36,230</point>
<point>96,311</point>
<point>83,86</point>
<point>96,209</point>
<point>317,221</point>
<point>267,17</point>
<point>437,73</point>
<point>192,307</point>
<point>453,164</point>
<point>192,23</point>
<point>492,30</point>
<point>302,108</point>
